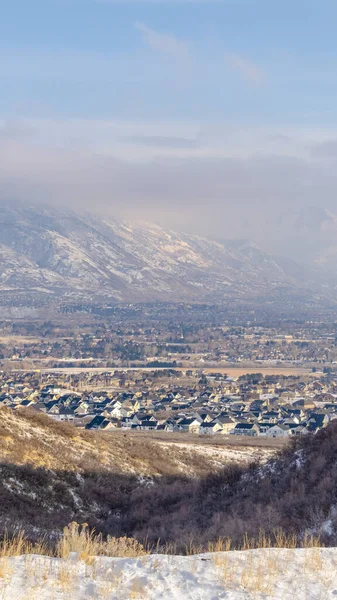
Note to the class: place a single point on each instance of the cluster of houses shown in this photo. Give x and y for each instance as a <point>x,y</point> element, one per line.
<point>203,405</point>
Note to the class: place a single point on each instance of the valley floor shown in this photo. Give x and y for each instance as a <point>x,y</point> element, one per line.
<point>268,574</point>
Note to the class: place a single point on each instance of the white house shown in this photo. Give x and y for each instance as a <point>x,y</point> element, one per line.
<point>278,431</point>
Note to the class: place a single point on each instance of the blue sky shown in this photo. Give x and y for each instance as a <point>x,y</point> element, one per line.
<point>170,59</point>
<point>238,91</point>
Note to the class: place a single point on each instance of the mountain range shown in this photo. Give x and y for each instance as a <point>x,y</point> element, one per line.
<point>51,255</point>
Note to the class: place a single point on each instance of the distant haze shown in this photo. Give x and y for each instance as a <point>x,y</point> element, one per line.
<point>211,117</point>
<point>227,194</point>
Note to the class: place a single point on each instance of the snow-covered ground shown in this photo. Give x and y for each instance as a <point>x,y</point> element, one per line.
<point>221,454</point>
<point>268,574</point>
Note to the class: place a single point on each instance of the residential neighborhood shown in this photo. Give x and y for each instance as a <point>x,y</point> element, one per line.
<point>168,400</point>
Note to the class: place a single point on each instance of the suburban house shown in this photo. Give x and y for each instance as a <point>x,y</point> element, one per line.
<point>209,428</point>
<point>100,422</point>
<point>278,431</point>
<point>250,429</point>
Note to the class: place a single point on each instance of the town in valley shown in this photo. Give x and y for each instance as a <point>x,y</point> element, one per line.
<point>200,372</point>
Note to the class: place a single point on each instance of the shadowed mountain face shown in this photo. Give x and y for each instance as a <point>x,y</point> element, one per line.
<point>48,252</point>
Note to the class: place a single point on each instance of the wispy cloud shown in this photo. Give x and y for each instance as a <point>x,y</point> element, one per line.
<point>247,69</point>
<point>163,42</point>
<point>166,142</point>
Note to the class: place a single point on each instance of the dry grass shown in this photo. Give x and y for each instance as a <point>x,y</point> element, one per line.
<point>77,546</point>
<point>279,540</point>
<point>87,544</point>
<point>258,573</point>
<point>184,437</point>
<point>31,438</point>
<point>138,589</point>
<point>18,545</point>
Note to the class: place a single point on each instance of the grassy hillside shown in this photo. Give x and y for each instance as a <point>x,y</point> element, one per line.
<point>153,489</point>
<point>28,437</point>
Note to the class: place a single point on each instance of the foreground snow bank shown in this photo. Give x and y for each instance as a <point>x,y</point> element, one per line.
<point>301,574</point>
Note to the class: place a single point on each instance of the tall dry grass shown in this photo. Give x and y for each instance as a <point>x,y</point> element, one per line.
<point>279,539</point>
<point>80,540</point>
<point>18,545</point>
<point>62,574</point>
<point>259,573</point>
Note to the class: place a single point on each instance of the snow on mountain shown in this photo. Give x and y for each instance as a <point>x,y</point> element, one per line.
<point>57,251</point>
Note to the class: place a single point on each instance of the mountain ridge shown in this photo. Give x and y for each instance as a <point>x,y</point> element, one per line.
<point>57,252</point>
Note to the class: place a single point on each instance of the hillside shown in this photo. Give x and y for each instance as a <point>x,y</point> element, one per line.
<point>31,438</point>
<point>53,256</point>
<point>153,490</point>
<point>52,473</point>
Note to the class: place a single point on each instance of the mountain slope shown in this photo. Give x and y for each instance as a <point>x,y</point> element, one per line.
<point>48,251</point>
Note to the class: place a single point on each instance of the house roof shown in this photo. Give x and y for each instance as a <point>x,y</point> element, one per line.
<point>96,422</point>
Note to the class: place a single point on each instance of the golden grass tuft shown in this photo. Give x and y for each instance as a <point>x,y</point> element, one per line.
<point>18,545</point>
<point>87,544</point>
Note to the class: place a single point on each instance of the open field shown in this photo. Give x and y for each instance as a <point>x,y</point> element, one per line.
<point>204,440</point>
<point>237,371</point>
<point>230,371</point>
<point>18,339</point>
<point>217,450</point>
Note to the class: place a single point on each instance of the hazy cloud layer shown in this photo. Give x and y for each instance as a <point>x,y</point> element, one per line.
<point>325,149</point>
<point>215,179</point>
<point>196,118</point>
<point>166,142</point>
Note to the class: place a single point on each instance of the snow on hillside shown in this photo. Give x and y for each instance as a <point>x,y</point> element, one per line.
<point>268,574</point>
<point>80,253</point>
<point>217,455</point>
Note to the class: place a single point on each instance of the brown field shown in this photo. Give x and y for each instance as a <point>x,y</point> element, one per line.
<point>237,371</point>
<point>206,440</point>
<point>18,339</point>
<point>231,371</point>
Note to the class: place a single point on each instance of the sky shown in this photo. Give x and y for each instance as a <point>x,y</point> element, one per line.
<point>213,116</point>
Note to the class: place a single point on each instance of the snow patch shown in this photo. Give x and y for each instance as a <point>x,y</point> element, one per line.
<point>265,574</point>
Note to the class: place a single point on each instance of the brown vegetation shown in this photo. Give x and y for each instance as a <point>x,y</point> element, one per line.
<point>296,492</point>
<point>29,437</point>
